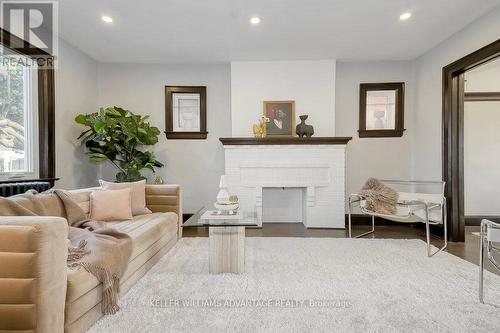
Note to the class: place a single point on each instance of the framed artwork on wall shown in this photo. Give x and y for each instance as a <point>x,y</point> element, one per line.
<point>185,112</point>
<point>381,110</point>
<point>281,116</point>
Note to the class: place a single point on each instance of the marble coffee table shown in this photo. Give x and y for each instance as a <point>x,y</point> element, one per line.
<point>226,237</point>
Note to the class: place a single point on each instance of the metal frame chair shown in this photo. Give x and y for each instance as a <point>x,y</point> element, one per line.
<point>411,202</point>
<point>490,233</point>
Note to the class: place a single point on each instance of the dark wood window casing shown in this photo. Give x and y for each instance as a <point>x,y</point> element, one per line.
<point>169,113</point>
<point>399,88</point>
<point>46,108</point>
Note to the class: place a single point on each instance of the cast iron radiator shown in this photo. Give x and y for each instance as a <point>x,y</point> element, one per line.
<point>8,189</point>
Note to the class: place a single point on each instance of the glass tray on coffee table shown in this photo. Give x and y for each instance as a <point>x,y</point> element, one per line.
<point>226,237</point>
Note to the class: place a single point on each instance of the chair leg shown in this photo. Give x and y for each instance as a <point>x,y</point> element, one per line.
<point>482,234</point>
<point>349,222</point>
<point>428,232</point>
<point>349,217</point>
<point>368,232</point>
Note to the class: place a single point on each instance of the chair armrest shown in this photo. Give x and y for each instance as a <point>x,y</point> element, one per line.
<point>33,276</point>
<point>490,230</point>
<point>166,198</point>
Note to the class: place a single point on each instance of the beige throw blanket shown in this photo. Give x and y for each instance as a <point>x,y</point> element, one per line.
<point>102,251</point>
<point>379,197</point>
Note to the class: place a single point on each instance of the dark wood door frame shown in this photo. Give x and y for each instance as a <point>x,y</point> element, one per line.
<point>453,133</point>
<point>491,96</point>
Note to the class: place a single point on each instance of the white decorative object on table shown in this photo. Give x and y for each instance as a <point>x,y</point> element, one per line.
<point>218,215</point>
<point>226,207</point>
<point>223,195</point>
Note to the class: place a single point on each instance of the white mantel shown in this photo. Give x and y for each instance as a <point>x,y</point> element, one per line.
<point>319,169</point>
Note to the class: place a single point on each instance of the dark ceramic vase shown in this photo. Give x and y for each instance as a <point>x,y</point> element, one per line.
<point>303,129</point>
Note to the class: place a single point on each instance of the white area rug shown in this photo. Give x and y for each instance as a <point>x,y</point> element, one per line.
<point>366,286</point>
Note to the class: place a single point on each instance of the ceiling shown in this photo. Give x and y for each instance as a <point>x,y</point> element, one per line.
<point>218,31</point>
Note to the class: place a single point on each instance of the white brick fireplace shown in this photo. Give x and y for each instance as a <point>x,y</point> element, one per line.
<point>317,169</point>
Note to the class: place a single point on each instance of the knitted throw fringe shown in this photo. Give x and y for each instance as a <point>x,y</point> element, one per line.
<point>110,283</point>
<point>76,253</point>
<point>110,287</point>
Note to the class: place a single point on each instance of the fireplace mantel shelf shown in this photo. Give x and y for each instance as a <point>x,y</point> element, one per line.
<point>334,140</point>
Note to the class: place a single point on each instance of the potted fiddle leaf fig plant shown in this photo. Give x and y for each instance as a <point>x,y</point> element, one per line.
<point>115,134</point>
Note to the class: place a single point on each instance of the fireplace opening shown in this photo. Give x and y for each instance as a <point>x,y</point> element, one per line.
<point>283,205</point>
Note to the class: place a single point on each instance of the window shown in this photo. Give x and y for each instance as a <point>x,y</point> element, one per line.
<point>18,119</point>
<point>381,110</point>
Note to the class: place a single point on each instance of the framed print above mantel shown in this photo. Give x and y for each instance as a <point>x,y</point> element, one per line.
<point>186,112</point>
<point>281,115</point>
<point>381,109</point>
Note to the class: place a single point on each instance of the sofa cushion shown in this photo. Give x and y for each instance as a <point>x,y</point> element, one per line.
<point>138,190</point>
<point>144,231</point>
<point>111,205</point>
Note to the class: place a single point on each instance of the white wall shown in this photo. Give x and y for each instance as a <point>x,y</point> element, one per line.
<point>482,158</point>
<point>195,164</point>
<point>385,158</point>
<point>76,92</point>
<point>311,84</point>
<point>427,137</point>
<point>481,142</point>
<point>485,78</point>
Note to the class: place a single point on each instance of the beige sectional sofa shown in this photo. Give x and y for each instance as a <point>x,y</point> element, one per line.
<point>38,293</point>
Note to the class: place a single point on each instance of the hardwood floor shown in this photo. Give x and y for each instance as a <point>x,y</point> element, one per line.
<point>469,250</point>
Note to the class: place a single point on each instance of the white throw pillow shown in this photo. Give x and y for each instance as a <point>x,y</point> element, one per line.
<point>112,205</point>
<point>138,194</point>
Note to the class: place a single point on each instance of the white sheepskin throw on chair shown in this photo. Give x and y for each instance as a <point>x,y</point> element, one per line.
<point>379,197</point>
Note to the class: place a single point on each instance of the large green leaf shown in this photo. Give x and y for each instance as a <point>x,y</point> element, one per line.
<point>81,119</point>
<point>116,134</point>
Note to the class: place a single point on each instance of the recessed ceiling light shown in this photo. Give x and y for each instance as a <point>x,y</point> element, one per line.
<point>405,16</point>
<point>255,20</point>
<point>107,19</point>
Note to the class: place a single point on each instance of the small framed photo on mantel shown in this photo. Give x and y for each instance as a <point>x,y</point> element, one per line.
<point>281,116</point>
<point>186,112</point>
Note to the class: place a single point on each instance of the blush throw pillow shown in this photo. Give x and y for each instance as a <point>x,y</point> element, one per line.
<point>138,190</point>
<point>110,205</point>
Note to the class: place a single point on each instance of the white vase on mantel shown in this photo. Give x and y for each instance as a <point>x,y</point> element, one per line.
<point>223,195</point>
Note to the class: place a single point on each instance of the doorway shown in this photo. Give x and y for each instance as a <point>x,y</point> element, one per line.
<point>453,133</point>
<point>481,143</point>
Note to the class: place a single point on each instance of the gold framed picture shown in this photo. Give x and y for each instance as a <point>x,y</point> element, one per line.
<point>281,116</point>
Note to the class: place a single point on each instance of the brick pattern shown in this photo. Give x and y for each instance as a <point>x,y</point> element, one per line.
<point>318,169</point>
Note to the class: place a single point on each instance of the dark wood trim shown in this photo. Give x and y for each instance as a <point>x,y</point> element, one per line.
<point>473,221</point>
<point>19,45</point>
<point>169,132</point>
<point>482,96</point>
<point>380,133</point>
<point>453,122</point>
<point>286,141</point>
<point>46,105</point>
<point>46,123</point>
<point>186,216</point>
<point>398,131</point>
<point>186,135</point>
